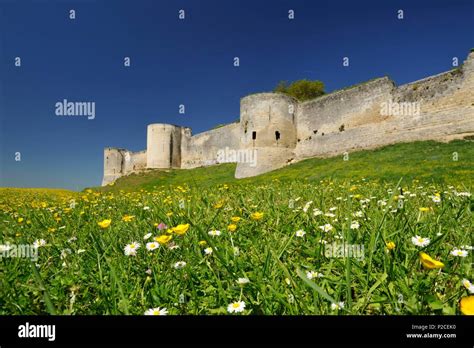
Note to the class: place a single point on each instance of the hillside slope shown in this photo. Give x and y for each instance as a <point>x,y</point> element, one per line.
<point>451,162</point>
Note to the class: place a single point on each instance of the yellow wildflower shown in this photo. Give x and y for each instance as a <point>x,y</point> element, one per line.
<point>430,263</point>
<point>163,239</point>
<point>256,216</point>
<point>390,245</point>
<point>181,229</point>
<point>467,305</point>
<point>424,209</point>
<point>235,219</point>
<point>219,205</point>
<point>232,227</point>
<point>128,218</point>
<point>104,223</point>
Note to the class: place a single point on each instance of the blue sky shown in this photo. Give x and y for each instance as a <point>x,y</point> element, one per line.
<point>190,62</point>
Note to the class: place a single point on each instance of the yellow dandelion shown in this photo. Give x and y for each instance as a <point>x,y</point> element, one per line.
<point>256,216</point>
<point>390,245</point>
<point>104,223</point>
<point>127,218</point>
<point>202,242</point>
<point>235,219</point>
<point>163,239</point>
<point>232,227</point>
<point>430,263</point>
<point>218,205</point>
<point>424,209</point>
<point>467,305</point>
<point>181,229</point>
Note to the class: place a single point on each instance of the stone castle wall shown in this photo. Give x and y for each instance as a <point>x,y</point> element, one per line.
<point>281,131</point>
<point>201,149</point>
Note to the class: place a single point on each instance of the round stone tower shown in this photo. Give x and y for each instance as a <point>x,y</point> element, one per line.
<point>163,148</point>
<point>267,122</point>
<point>113,164</point>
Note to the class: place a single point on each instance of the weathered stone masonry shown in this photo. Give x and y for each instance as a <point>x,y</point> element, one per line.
<point>283,131</point>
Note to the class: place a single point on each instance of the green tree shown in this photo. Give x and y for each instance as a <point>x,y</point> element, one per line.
<point>301,89</point>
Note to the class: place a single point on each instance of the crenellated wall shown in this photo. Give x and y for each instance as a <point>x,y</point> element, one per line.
<point>275,130</point>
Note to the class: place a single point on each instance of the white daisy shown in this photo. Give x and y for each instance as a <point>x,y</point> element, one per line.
<point>39,243</point>
<point>420,241</point>
<point>354,225</point>
<point>468,285</point>
<point>236,307</point>
<point>208,251</point>
<point>326,227</point>
<point>214,233</point>
<point>131,249</point>
<point>358,214</point>
<point>156,311</point>
<point>313,274</point>
<point>300,233</point>
<point>179,264</point>
<point>242,281</point>
<point>329,215</point>
<point>146,236</point>
<point>458,252</point>
<point>436,199</point>
<point>152,246</point>
<point>336,306</point>
<point>317,212</point>
<point>146,208</point>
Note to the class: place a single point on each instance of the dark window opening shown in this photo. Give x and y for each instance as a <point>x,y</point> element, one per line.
<point>277,135</point>
<point>254,135</point>
<point>315,131</point>
<point>322,134</point>
<point>341,128</point>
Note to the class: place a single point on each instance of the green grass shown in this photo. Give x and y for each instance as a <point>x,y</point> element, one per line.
<point>429,160</point>
<point>83,269</point>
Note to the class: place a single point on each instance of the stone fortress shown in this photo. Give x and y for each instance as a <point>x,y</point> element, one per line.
<point>282,130</point>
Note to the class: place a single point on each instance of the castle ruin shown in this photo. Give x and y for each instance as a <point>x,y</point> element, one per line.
<point>282,130</point>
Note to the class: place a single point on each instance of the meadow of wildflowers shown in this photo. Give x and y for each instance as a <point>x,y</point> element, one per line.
<point>295,247</point>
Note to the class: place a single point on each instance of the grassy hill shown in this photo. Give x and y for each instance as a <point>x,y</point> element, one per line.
<point>426,161</point>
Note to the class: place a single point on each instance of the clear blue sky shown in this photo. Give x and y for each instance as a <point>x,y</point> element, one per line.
<point>190,62</point>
